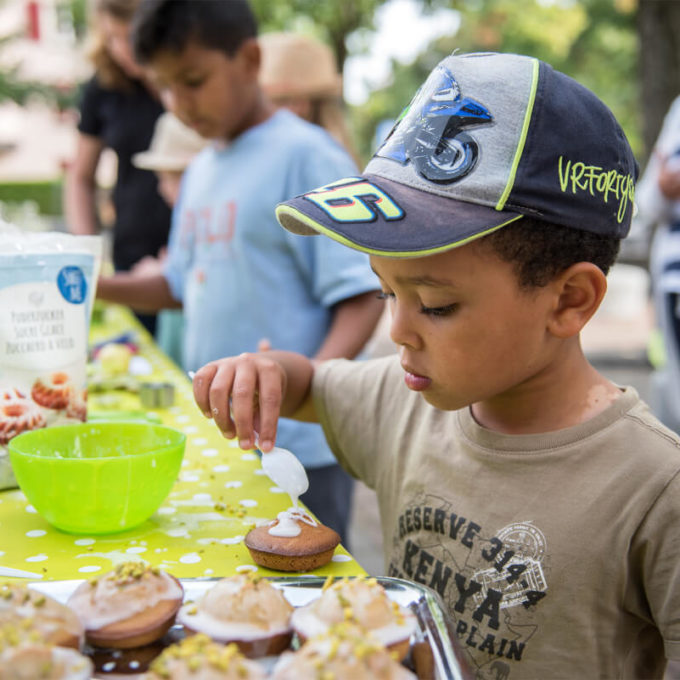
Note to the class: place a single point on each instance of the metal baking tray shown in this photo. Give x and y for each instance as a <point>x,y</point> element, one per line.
<point>433,656</point>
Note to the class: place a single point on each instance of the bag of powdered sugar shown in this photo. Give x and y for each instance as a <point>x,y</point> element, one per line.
<point>47,286</point>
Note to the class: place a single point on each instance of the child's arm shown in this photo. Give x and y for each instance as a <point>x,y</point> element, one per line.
<point>354,321</point>
<point>249,392</point>
<point>80,186</point>
<point>143,293</point>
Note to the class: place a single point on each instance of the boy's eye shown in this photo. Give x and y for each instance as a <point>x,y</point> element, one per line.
<point>193,82</point>
<point>439,311</point>
<point>382,295</point>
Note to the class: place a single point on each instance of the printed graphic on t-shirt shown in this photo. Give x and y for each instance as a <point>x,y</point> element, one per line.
<point>492,580</point>
<point>208,227</point>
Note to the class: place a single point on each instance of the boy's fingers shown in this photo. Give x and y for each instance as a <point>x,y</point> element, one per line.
<point>243,400</point>
<point>201,384</point>
<point>220,392</point>
<point>270,396</point>
<point>264,345</point>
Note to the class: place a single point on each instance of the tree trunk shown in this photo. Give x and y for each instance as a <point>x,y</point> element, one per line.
<point>659,35</point>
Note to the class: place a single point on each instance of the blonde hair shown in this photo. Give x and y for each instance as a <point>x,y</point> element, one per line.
<point>109,73</point>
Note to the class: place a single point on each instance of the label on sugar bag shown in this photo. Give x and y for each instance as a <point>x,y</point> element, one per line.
<point>47,285</point>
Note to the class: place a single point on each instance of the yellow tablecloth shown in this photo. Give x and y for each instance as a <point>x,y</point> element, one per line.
<point>198,531</point>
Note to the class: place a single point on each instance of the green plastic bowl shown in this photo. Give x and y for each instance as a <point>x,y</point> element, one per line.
<point>97,478</point>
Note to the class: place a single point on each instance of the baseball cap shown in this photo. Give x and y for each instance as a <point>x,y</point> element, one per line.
<point>487,139</point>
<point>173,146</point>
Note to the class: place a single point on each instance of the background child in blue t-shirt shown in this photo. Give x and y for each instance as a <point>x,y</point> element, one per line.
<point>238,276</point>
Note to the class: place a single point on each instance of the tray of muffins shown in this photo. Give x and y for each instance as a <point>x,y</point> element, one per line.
<point>140,622</point>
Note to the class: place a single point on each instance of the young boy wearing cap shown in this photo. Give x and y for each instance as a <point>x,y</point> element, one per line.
<point>541,501</point>
<point>237,274</point>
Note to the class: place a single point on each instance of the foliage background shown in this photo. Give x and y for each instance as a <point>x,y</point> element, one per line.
<point>626,51</point>
<point>594,41</point>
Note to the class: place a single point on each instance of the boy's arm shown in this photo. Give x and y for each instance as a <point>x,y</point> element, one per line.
<point>249,393</point>
<point>354,321</point>
<point>143,293</point>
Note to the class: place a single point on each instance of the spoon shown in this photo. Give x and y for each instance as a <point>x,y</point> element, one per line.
<point>286,471</point>
<point>282,467</point>
<point>8,572</point>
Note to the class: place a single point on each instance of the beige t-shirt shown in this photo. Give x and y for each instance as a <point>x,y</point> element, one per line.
<point>557,554</point>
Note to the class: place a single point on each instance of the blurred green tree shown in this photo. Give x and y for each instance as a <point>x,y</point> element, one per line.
<point>19,90</point>
<point>331,20</point>
<point>593,41</point>
<point>658,23</point>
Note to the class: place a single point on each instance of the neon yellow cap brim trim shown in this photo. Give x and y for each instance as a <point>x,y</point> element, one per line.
<point>285,213</point>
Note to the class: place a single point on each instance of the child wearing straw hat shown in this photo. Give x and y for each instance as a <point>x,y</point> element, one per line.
<point>173,146</point>
<point>300,73</point>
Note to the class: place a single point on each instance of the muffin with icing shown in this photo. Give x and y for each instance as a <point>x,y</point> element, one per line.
<point>294,541</point>
<point>35,661</point>
<point>199,658</point>
<point>244,609</point>
<point>361,601</point>
<point>344,652</point>
<point>133,605</point>
<point>38,617</point>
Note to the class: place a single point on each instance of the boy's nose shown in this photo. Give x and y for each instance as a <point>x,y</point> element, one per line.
<point>177,103</point>
<point>169,99</point>
<point>401,329</point>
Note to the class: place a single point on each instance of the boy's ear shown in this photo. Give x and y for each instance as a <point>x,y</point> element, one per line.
<point>251,54</point>
<point>578,293</point>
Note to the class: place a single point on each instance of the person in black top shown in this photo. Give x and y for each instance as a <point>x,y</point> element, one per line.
<point>118,110</point>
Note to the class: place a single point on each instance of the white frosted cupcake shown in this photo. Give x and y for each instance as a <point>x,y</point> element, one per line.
<point>44,618</point>
<point>131,606</point>
<point>344,652</point>
<point>199,658</point>
<point>362,601</point>
<point>42,661</point>
<point>245,610</point>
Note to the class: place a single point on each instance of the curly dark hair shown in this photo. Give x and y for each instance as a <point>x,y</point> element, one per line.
<point>540,251</point>
<point>171,24</point>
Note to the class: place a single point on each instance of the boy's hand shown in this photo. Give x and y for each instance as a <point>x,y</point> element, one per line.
<point>242,395</point>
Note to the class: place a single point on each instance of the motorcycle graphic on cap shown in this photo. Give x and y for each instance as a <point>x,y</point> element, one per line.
<point>432,131</point>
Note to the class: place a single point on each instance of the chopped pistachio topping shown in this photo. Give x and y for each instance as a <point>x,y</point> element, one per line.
<point>129,572</point>
<point>254,578</point>
<point>14,632</point>
<point>199,651</point>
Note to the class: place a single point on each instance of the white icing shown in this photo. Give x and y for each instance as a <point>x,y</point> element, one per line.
<point>223,631</point>
<point>235,609</point>
<point>288,525</point>
<point>109,603</point>
<point>309,624</point>
<point>286,471</point>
